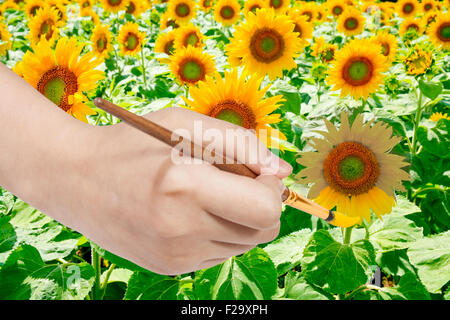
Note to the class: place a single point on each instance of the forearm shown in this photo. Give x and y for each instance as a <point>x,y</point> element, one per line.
<point>38,143</point>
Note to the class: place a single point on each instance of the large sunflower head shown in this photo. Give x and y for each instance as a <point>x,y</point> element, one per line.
<point>388,43</point>
<point>357,69</point>
<point>131,39</point>
<point>188,35</point>
<point>114,5</point>
<point>190,65</point>
<point>253,5</point>
<point>407,8</point>
<point>101,41</point>
<point>63,75</point>
<point>336,7</point>
<point>182,11</point>
<point>351,22</point>
<point>32,6</point>
<point>439,31</point>
<point>44,25</point>
<point>165,43</point>
<point>353,169</point>
<point>266,43</point>
<point>237,99</point>
<point>227,12</point>
<point>5,36</point>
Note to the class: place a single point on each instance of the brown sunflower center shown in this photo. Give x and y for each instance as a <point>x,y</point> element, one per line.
<point>337,10</point>
<point>46,29</point>
<point>191,70</point>
<point>276,3</point>
<point>235,112</point>
<point>385,49</point>
<point>227,12</point>
<point>182,9</point>
<point>408,7</point>
<point>254,7</point>
<point>86,4</point>
<point>191,39</point>
<point>131,8</point>
<point>207,3</point>
<point>34,9</point>
<point>131,41</point>
<point>328,54</point>
<point>308,15</point>
<point>101,43</point>
<point>169,47</point>
<point>172,23</point>
<point>115,3</point>
<point>412,26</point>
<point>351,23</point>
<point>57,85</point>
<point>267,45</point>
<point>298,29</point>
<point>357,71</point>
<point>443,32</point>
<point>428,7</point>
<point>351,168</point>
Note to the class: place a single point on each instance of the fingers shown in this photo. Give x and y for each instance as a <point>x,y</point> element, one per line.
<point>222,251</point>
<point>224,138</point>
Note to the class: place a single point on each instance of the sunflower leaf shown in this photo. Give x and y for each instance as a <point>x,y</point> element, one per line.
<point>430,89</point>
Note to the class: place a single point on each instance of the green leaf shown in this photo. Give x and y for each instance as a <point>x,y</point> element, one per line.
<point>25,276</point>
<point>395,262</point>
<point>431,257</point>
<point>435,140</point>
<point>286,252</point>
<point>430,89</point>
<point>412,288</point>
<point>117,275</point>
<point>338,267</point>
<point>151,286</point>
<point>121,262</point>
<point>249,277</point>
<point>8,238</point>
<point>296,287</point>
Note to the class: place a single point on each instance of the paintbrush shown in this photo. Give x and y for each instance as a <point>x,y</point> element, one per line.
<point>289,196</point>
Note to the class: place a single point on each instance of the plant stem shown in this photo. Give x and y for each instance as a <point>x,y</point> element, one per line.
<point>143,67</point>
<point>416,124</point>
<point>95,261</point>
<point>347,235</point>
<point>105,282</point>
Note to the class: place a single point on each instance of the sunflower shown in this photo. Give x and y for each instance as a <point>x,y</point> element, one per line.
<point>280,6</point>
<point>206,5</point>
<point>429,18</point>
<point>60,8</point>
<point>10,4</point>
<point>325,51</point>
<point>253,5</point>
<point>131,39</point>
<point>388,43</point>
<point>407,8</point>
<point>321,13</point>
<point>5,36</point>
<point>227,12</point>
<point>101,41</point>
<point>357,69</point>
<point>438,116</point>
<point>353,169</point>
<point>351,22</point>
<point>266,43</point>
<point>88,12</point>
<point>335,7</point>
<point>411,23</point>
<point>165,43</point>
<point>237,99</point>
<point>308,10</point>
<point>167,21</point>
<point>114,5</point>
<point>190,65</point>
<point>44,25</point>
<point>62,75</point>
<point>188,36</point>
<point>135,8</point>
<point>85,3</point>
<point>439,31</point>
<point>419,60</point>
<point>182,11</point>
<point>303,28</point>
<point>428,5</point>
<point>32,6</point>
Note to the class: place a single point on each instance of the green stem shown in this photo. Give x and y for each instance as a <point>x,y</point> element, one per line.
<point>105,282</point>
<point>143,67</point>
<point>348,235</point>
<point>416,124</point>
<point>98,269</point>
<point>420,190</point>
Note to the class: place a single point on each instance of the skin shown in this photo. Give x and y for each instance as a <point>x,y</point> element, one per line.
<point>121,189</point>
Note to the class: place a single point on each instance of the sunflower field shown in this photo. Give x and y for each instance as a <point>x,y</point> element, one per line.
<point>354,94</point>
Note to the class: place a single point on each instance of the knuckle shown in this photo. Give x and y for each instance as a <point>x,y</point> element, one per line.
<point>178,180</point>
<point>270,213</point>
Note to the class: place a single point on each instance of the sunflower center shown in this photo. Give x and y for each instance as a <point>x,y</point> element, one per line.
<point>427,7</point>
<point>182,10</point>
<point>34,10</point>
<point>351,168</point>
<point>57,85</point>
<point>351,24</point>
<point>235,112</point>
<point>131,8</point>
<point>444,32</point>
<point>308,15</point>
<point>227,12</point>
<point>114,2</point>
<point>357,71</point>
<point>408,8</point>
<point>46,29</point>
<point>191,39</point>
<point>328,54</point>
<point>132,41</point>
<point>276,3</point>
<point>254,7</point>
<point>169,47</point>
<point>266,45</point>
<point>413,26</point>
<point>192,70</point>
<point>101,43</point>
<point>207,3</point>
<point>172,23</point>
<point>337,10</point>
<point>385,49</point>
<point>298,29</point>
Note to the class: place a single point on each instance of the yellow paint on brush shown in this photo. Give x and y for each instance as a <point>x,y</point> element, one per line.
<point>343,221</point>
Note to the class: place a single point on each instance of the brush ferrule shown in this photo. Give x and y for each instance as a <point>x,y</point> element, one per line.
<point>330,216</point>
